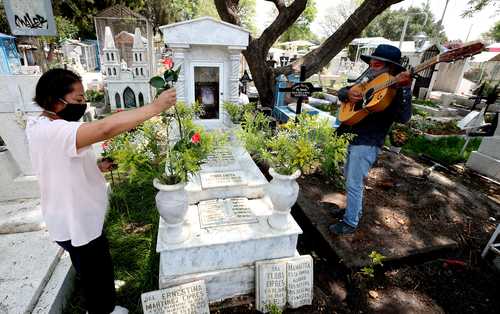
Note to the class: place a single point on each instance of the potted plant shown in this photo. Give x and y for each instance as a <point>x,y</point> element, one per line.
<point>294,148</point>
<point>182,153</point>
<point>398,136</point>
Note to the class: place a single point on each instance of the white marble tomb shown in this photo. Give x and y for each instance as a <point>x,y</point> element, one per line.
<point>229,231</point>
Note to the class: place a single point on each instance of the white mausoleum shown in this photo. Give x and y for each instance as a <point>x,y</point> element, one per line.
<point>127,87</point>
<point>209,53</point>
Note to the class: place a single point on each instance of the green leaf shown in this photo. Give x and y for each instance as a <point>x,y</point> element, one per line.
<point>168,75</point>
<point>157,82</point>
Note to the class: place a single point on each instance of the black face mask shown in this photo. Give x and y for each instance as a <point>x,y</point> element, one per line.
<point>72,112</point>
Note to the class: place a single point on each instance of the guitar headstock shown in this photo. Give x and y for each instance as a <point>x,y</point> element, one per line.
<point>463,52</point>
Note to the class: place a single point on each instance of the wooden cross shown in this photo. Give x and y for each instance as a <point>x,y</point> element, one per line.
<point>301,90</point>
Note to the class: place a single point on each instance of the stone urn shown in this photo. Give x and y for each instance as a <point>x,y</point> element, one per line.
<point>172,203</point>
<point>283,191</point>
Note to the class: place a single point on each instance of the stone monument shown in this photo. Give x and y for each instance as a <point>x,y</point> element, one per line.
<point>486,159</point>
<point>24,242</point>
<point>209,54</point>
<point>17,178</point>
<point>229,205</point>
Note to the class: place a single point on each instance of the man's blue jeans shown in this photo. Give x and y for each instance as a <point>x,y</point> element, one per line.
<point>360,159</point>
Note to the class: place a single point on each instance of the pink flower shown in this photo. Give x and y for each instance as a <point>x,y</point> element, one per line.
<point>168,63</point>
<point>104,145</point>
<point>196,138</point>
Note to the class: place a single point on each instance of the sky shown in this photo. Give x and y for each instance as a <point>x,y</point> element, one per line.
<point>455,26</point>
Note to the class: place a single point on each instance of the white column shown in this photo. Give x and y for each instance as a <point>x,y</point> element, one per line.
<point>234,78</point>
<point>179,58</point>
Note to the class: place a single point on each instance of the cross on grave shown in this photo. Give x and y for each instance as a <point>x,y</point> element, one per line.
<point>301,90</point>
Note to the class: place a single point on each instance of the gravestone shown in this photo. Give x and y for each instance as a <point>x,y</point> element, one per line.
<point>190,298</point>
<point>17,177</point>
<point>229,227</point>
<point>228,203</point>
<point>25,245</point>
<point>486,159</point>
<point>284,281</point>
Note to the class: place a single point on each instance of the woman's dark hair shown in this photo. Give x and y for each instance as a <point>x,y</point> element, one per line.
<point>54,85</point>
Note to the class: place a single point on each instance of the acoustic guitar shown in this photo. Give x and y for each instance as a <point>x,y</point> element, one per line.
<point>378,93</point>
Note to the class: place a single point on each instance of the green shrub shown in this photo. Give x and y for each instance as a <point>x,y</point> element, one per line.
<point>425,102</point>
<point>318,95</point>
<point>94,96</point>
<point>236,112</point>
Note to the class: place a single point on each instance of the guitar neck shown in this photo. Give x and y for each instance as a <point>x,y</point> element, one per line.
<point>426,64</point>
<point>418,68</point>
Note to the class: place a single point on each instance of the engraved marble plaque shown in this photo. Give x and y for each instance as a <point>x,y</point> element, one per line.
<point>222,179</point>
<point>284,281</point>
<point>223,212</point>
<point>190,298</point>
<point>299,281</point>
<point>270,287</point>
<point>221,157</point>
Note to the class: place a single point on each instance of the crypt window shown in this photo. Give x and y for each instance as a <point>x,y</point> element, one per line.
<point>207,89</point>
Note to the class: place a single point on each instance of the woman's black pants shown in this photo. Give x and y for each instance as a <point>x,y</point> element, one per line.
<point>94,267</point>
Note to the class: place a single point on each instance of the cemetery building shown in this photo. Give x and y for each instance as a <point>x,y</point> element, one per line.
<point>209,54</point>
<point>127,87</point>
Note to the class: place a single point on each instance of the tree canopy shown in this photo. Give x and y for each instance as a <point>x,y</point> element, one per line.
<point>301,29</point>
<point>390,24</point>
<point>494,32</point>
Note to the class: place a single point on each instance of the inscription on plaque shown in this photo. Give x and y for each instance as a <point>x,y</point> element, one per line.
<point>221,157</point>
<point>222,212</point>
<point>284,281</point>
<point>299,281</point>
<point>271,285</point>
<point>222,179</point>
<point>190,298</point>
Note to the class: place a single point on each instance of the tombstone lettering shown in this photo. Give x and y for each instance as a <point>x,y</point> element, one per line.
<point>284,281</point>
<point>270,287</point>
<point>220,157</point>
<point>301,90</point>
<point>190,298</point>
<point>30,18</point>
<point>299,281</point>
<point>222,179</point>
<point>223,212</point>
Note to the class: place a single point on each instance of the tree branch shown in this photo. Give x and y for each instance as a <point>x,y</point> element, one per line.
<point>280,4</point>
<point>352,27</point>
<point>228,11</point>
<point>286,17</point>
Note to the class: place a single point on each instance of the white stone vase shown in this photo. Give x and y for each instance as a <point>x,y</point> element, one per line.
<point>283,191</point>
<point>172,203</point>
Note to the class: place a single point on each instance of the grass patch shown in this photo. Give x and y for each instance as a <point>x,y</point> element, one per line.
<point>131,228</point>
<point>425,102</point>
<point>444,150</point>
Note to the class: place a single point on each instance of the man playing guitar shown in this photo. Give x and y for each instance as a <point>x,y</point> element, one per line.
<point>371,131</point>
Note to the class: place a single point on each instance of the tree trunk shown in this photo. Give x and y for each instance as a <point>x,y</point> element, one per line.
<point>262,74</point>
<point>256,53</point>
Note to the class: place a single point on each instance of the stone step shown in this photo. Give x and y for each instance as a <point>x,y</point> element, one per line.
<point>14,184</point>
<point>27,262</point>
<point>226,246</point>
<point>221,284</point>
<point>57,292</point>
<point>23,215</point>
<point>490,146</point>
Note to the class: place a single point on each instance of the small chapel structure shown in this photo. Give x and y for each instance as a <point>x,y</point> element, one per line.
<point>128,87</point>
